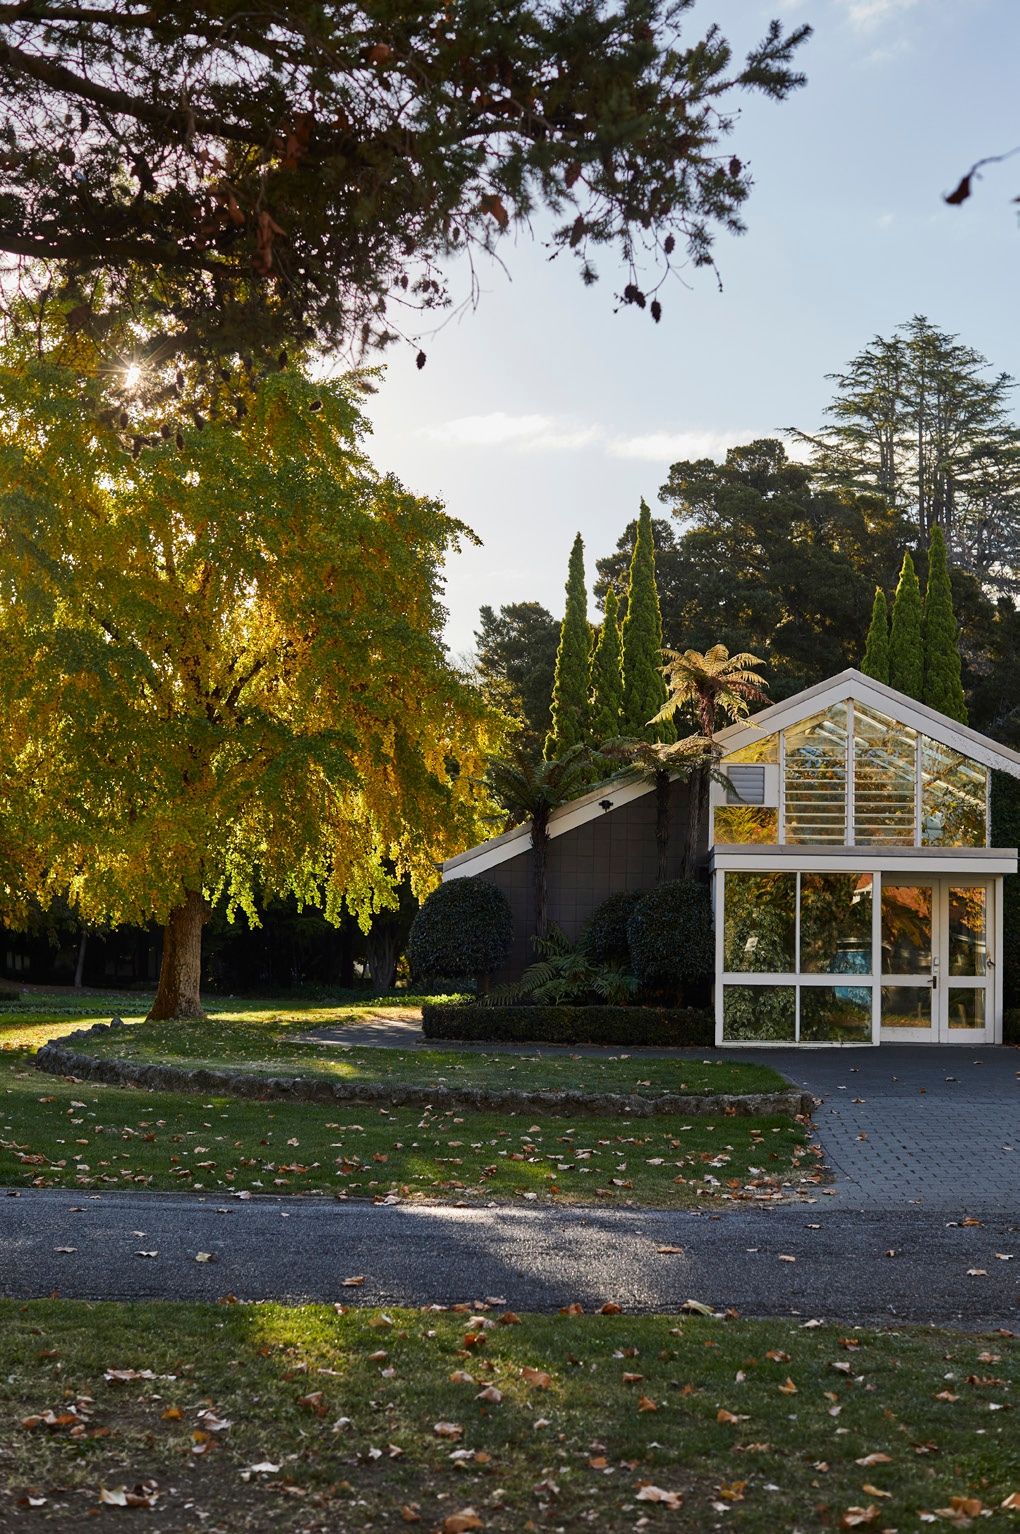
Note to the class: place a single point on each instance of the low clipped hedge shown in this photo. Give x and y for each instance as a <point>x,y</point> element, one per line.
<point>669,1026</point>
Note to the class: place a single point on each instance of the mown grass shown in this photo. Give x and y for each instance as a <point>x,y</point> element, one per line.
<point>84,1135</point>
<point>266,1041</point>
<point>761,1425</point>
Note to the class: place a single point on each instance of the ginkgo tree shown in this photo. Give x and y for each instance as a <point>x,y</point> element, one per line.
<point>221,670</point>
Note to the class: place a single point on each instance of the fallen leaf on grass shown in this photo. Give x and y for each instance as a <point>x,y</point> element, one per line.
<point>875,1459</point>
<point>536,1377</point>
<point>127,1376</point>
<point>572,1310</point>
<point>353,1283</point>
<point>789,1389</point>
<point>631,1379</point>
<point>610,1309</point>
<point>458,1377</point>
<point>1012,1502</point>
<point>670,1499</point>
<point>411,1512</point>
<point>314,1402</point>
<point>448,1430</point>
<point>734,1492</point>
<point>875,1491</point>
<point>946,1395</point>
<point>509,1318</point>
<point>695,1307</point>
<point>460,1523</point>
<point>778,1356</point>
<point>490,1394</point>
<point>599,1462</point>
<point>722,1415</point>
<point>172,1414</point>
<point>855,1516</point>
<point>961,1510</point>
<point>645,1403</point>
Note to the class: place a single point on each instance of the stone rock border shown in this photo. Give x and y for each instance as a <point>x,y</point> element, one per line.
<point>57,1060</point>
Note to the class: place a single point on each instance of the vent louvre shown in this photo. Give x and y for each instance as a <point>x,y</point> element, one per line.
<point>746,785</point>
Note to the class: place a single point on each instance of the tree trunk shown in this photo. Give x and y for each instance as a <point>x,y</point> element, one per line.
<point>540,844</point>
<point>382,948</point>
<point>79,968</point>
<point>696,805</point>
<point>180,975</point>
<point>662,819</point>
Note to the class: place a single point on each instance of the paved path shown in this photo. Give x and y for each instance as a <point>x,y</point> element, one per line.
<point>534,1259</point>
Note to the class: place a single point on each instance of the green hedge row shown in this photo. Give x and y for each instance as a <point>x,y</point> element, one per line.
<point>668,1026</point>
<point>1011,1025</point>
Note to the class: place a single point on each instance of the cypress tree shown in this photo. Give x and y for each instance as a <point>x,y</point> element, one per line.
<point>906,645</point>
<point>943,688</point>
<point>570,685</point>
<point>607,675</point>
<point>876,651</point>
<point>644,690</point>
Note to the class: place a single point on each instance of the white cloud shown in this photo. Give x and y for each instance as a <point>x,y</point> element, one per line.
<point>527,432</point>
<point>872,13</point>
<point>668,447</point>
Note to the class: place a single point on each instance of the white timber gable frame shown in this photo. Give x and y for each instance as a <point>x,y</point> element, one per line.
<point>857,897</point>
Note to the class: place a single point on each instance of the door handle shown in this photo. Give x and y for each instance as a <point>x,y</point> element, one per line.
<point>934,982</point>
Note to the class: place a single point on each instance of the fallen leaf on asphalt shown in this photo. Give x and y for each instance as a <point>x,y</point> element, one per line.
<point>645,1403</point>
<point>785,1257</point>
<point>673,1251</point>
<point>448,1430</point>
<point>353,1283</point>
<point>536,1377</point>
<point>789,1389</point>
<point>970,1220</point>
<point>610,1308</point>
<point>206,1257</point>
<point>695,1307</point>
<point>670,1499</point>
<point>977,1272</point>
<point>855,1516</point>
<point>722,1415</point>
<point>1005,1256</point>
<point>875,1459</point>
<point>146,1254</point>
<point>65,1248</point>
<point>491,1394</point>
<point>458,1377</point>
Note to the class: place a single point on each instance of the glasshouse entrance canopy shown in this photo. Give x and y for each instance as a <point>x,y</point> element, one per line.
<point>856,894</point>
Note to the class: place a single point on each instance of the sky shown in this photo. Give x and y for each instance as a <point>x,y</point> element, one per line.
<point>541,413</point>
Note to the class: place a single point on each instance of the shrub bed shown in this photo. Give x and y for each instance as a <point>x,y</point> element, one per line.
<point>664,1026</point>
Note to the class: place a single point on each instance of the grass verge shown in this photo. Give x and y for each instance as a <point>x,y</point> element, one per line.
<point>54,1132</point>
<point>266,1041</point>
<point>248,1417</point>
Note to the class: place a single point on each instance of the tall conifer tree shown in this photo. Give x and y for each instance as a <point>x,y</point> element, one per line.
<point>644,690</point>
<point>876,651</point>
<point>570,715</point>
<point>906,644</point>
<point>943,688</point>
<point>607,675</point>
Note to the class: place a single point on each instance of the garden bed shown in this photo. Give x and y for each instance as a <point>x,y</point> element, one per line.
<point>662,1027</point>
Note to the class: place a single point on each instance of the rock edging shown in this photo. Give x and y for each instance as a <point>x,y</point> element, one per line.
<point>57,1060</point>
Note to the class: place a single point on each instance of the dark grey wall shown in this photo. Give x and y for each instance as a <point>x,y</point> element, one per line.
<point>615,852</point>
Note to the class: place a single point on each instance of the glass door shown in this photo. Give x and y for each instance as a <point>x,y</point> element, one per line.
<point>936,962</point>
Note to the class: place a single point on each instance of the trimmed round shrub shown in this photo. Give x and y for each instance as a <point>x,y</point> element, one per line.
<point>463,931</point>
<point>605,941</point>
<point>670,936</point>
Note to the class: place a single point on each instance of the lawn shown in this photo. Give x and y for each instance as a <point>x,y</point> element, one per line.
<point>265,1039</point>
<point>249,1417</point>
<point>55,1132</point>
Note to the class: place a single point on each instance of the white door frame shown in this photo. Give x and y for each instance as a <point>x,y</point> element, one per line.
<point>939,982</point>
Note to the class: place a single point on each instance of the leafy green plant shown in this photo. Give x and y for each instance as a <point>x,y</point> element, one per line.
<point>605,941</point>
<point>565,972</point>
<point>462,932</point>
<point>670,936</point>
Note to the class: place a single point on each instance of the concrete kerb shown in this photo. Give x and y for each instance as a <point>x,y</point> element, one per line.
<point>56,1059</point>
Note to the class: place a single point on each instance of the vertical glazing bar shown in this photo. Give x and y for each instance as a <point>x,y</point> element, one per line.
<point>782,788</point>
<point>718,898</point>
<point>851,763</point>
<point>796,961</point>
<point>876,957</point>
<point>918,765</point>
<point>988,806</point>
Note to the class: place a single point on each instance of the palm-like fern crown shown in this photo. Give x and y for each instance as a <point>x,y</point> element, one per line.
<point>715,680</point>
<point>525,789</point>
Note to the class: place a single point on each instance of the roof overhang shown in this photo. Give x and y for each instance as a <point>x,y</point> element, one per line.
<point>950,862</point>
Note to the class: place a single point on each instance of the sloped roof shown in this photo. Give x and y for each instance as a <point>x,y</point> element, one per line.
<point>778,716</point>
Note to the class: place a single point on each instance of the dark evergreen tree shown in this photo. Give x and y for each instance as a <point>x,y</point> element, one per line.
<point>644,690</point>
<point>906,644</point>
<point>876,651</point>
<point>607,675</point>
<point>943,688</point>
<point>570,713</point>
<point>517,661</point>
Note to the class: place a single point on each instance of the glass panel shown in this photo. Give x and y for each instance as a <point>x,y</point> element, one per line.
<point>953,797</point>
<point>758,931</point>
<point>765,749</point>
<point>967,1007</point>
<point>885,775</point>
<point>906,929</point>
<point>816,778</point>
<point>835,924</point>
<point>967,931</point>
<point>835,1013</point>
<point>758,1012</point>
<point>740,824</point>
<point>906,1006</point>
